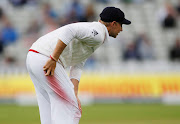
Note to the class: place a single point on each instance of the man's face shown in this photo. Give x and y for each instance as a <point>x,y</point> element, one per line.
<point>114,29</point>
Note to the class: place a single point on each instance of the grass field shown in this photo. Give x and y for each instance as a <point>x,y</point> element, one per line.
<point>100,114</point>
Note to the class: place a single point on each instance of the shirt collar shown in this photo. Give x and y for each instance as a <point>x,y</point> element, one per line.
<point>106,38</point>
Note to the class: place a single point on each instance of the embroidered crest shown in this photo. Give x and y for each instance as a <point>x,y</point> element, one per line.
<point>95,32</point>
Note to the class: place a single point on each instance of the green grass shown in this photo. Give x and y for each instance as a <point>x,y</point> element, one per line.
<point>100,114</point>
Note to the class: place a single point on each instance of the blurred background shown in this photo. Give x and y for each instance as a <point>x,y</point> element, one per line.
<point>141,66</point>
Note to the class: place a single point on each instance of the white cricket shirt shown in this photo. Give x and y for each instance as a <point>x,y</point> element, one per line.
<point>82,39</point>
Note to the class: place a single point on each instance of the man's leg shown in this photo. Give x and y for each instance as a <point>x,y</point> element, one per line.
<point>63,103</point>
<point>64,106</point>
<point>36,72</point>
<point>44,105</point>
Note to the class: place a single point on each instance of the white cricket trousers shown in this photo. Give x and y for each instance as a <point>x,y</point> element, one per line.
<point>55,94</point>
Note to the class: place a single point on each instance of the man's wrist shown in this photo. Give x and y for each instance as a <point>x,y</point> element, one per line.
<point>76,94</point>
<point>53,58</point>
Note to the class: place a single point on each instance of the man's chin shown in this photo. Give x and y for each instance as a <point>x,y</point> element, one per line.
<point>114,36</point>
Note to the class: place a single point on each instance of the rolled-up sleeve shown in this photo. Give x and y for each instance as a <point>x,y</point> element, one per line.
<point>82,32</point>
<point>66,34</point>
<point>76,70</point>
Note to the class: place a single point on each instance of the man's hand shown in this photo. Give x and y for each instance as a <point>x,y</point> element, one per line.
<point>76,84</point>
<point>79,104</point>
<point>49,67</point>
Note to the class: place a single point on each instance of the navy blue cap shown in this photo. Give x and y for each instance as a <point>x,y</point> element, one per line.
<point>110,14</point>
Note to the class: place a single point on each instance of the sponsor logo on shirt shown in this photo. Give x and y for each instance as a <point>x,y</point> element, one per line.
<point>94,32</point>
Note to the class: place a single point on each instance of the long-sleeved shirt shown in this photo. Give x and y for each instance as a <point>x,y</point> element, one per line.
<point>82,39</point>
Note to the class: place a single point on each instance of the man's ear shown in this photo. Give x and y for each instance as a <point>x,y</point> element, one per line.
<point>113,23</point>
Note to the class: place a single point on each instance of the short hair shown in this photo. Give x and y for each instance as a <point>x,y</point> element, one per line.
<point>105,23</point>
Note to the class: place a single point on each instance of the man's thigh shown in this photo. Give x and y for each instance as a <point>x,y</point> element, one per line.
<point>64,106</point>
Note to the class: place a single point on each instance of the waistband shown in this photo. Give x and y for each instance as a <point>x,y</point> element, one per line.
<point>33,50</point>
<point>59,61</point>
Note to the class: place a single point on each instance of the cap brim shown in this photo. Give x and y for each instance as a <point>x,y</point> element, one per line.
<point>126,22</point>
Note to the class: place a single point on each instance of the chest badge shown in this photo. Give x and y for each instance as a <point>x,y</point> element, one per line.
<point>94,32</point>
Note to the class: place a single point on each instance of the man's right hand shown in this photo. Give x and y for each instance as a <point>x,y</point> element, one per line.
<point>49,67</point>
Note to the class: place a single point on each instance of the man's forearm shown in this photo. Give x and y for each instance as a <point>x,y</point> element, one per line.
<point>58,49</point>
<point>76,85</point>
